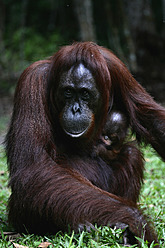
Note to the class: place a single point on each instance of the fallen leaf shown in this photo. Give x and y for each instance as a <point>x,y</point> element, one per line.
<point>45,244</point>
<point>19,246</point>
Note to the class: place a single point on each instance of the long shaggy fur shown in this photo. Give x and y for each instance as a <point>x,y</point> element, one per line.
<point>56,183</point>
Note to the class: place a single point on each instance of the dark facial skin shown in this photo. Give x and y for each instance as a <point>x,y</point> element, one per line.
<point>77,100</point>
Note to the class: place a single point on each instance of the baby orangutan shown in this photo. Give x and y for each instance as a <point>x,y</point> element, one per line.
<point>113,136</point>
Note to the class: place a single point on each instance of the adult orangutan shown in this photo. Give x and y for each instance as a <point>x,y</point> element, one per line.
<point>57,176</point>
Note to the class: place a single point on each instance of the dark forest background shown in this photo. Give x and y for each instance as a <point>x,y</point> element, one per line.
<point>134,29</point>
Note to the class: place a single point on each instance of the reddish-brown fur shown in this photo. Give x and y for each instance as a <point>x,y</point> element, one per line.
<point>56,182</point>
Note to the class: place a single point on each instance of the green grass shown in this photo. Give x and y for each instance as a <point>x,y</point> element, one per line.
<point>4,191</point>
<point>152,200</point>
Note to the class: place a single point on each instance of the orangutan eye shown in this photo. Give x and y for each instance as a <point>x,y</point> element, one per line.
<point>85,95</point>
<point>68,93</point>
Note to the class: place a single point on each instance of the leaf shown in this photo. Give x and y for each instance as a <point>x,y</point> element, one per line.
<point>45,244</point>
<point>19,246</point>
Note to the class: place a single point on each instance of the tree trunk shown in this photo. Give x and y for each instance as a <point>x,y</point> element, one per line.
<point>23,23</point>
<point>163,3</point>
<point>2,46</point>
<point>116,26</point>
<point>2,20</point>
<point>140,15</point>
<point>84,13</point>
